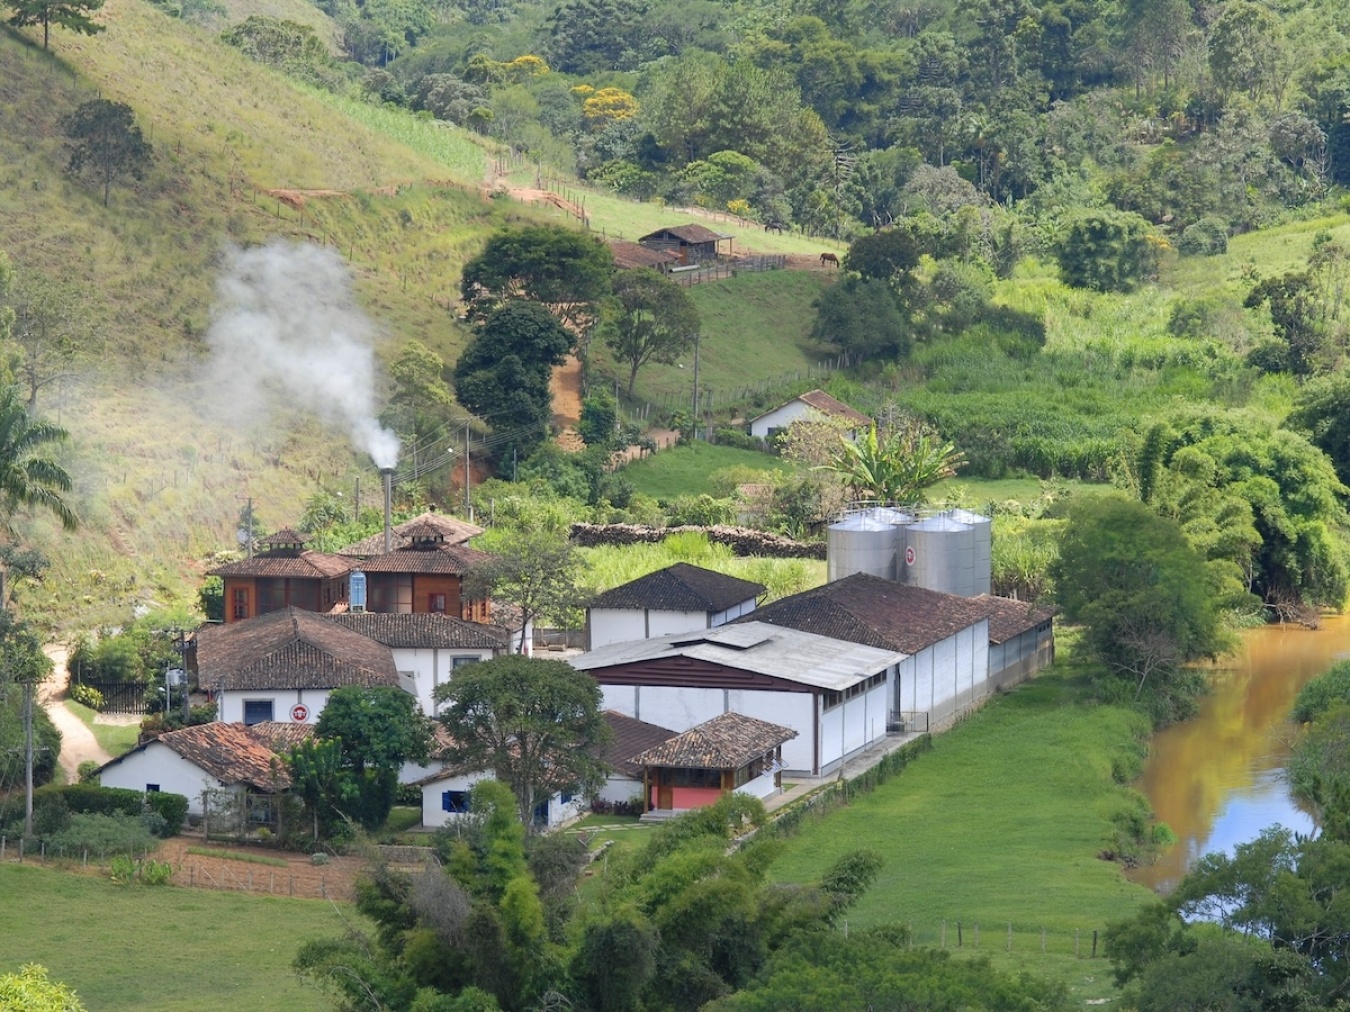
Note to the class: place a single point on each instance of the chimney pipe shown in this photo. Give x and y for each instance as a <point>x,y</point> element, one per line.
<point>387,473</point>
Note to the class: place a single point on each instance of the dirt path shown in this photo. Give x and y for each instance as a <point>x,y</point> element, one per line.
<point>78,743</point>
<point>565,386</point>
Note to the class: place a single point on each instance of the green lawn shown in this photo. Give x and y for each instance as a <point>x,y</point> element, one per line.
<point>164,949</point>
<point>756,330</point>
<point>685,469</point>
<point>1000,824</point>
<point>115,739</point>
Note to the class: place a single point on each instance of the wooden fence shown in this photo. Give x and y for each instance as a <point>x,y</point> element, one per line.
<point>119,697</point>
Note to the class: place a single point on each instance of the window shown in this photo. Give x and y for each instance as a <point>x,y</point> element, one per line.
<point>829,700</point>
<point>455,801</point>
<point>240,602</point>
<point>271,594</point>
<point>436,604</point>
<point>459,662</point>
<point>257,710</point>
<point>152,788</point>
<point>565,798</point>
<point>691,778</point>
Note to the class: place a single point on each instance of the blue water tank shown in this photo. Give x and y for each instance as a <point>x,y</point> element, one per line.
<point>357,590</point>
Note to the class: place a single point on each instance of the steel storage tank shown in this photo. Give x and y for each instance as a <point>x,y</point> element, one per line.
<point>859,543</point>
<point>938,554</point>
<point>984,543</point>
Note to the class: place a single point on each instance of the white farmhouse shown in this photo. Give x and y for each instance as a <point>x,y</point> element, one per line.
<point>208,757</point>
<point>679,598</point>
<point>812,404</point>
<point>834,694</point>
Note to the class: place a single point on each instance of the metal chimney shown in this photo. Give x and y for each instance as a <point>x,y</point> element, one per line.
<point>387,473</point>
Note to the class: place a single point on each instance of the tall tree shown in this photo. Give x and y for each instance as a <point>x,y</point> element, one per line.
<point>28,478</point>
<point>655,321</point>
<point>1143,594</point>
<point>565,270</point>
<point>105,141</point>
<point>535,723</point>
<point>377,729</point>
<point>534,571</point>
<point>896,467</point>
<point>421,399</point>
<point>71,14</point>
<point>50,326</point>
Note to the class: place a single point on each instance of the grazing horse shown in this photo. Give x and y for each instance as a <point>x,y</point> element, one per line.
<point>828,258</point>
<point>774,226</point>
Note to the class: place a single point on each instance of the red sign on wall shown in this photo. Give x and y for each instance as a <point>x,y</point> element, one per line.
<point>909,555</point>
<point>299,713</point>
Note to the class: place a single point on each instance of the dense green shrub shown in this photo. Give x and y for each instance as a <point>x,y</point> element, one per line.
<point>87,695</point>
<point>738,439</point>
<point>1106,251</point>
<point>93,800</point>
<point>1208,237</point>
<point>102,834</point>
<point>1322,693</point>
<point>173,808</point>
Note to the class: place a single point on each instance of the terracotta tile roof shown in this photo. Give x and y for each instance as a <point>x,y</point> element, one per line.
<point>290,649</point>
<point>631,737</point>
<point>826,405</point>
<point>451,560</point>
<point>456,533</point>
<point>876,612</point>
<point>424,631</point>
<point>286,563</point>
<point>726,742</point>
<point>229,752</point>
<point>280,736</point>
<point>285,536</point>
<point>681,587</point>
<point>630,255</point>
<point>689,233</point>
<point>1009,618</point>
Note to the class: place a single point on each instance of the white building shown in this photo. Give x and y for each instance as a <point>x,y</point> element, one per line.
<point>445,795</point>
<point>208,757</point>
<point>677,599</point>
<point>812,404</point>
<point>945,640</point>
<point>836,695</point>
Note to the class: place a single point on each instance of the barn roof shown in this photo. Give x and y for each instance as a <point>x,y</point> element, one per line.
<point>630,737</point>
<point>726,742</point>
<point>232,753</point>
<point>681,587</point>
<point>790,655</point>
<point>688,233</point>
<point>288,563</point>
<point>826,405</point>
<point>424,631</point>
<point>456,532</point>
<point>630,255</point>
<point>290,649</point>
<point>879,613</point>
<point>450,560</point>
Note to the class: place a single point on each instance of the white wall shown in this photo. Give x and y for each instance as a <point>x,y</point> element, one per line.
<point>159,764</point>
<point>948,677</point>
<point>231,703</point>
<point>779,418</point>
<point>663,623</point>
<point>434,815</point>
<point>616,625</point>
<point>619,788</point>
<point>763,786</point>
<point>422,669</point>
<point>732,613</point>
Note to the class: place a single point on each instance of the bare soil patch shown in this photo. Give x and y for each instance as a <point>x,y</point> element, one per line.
<point>300,877</point>
<point>565,385</point>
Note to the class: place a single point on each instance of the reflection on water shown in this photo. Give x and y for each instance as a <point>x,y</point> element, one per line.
<point>1217,780</point>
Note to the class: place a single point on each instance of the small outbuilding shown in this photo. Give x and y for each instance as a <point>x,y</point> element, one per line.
<point>630,256</point>
<point>812,404</point>
<point>729,753</point>
<point>690,244</point>
<point>229,757</point>
<point>679,598</point>
<point>628,737</point>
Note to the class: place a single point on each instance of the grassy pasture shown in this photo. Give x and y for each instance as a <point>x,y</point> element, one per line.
<point>115,739</point>
<point>1000,824</point>
<point>685,469</point>
<point>166,949</point>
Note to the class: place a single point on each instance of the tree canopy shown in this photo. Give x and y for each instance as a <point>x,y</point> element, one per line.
<point>533,571</point>
<point>29,478</point>
<point>73,15</point>
<point>654,320</point>
<point>106,143</point>
<point>535,723</point>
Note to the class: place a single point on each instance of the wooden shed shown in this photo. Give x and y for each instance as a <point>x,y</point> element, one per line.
<point>692,244</point>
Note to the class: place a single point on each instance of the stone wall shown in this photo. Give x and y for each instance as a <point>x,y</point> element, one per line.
<point>743,541</point>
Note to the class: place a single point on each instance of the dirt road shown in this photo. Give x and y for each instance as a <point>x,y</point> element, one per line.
<point>78,743</point>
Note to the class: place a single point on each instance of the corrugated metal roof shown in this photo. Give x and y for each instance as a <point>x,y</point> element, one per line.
<point>789,654</point>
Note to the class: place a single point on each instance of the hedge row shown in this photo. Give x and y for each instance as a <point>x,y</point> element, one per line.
<point>89,798</point>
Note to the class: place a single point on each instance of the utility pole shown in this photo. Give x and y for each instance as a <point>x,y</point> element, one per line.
<point>356,501</point>
<point>468,508</point>
<point>697,341</point>
<point>28,687</point>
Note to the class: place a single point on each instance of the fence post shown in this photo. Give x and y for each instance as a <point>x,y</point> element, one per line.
<point>944,934</point>
<point>1010,936</point>
<point>1075,943</point>
<point>959,940</point>
<point>1042,938</point>
<point>1094,943</point>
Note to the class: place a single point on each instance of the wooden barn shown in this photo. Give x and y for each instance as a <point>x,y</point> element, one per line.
<point>691,244</point>
<point>629,256</point>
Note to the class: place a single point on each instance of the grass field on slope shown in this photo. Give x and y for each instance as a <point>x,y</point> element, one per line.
<point>167,949</point>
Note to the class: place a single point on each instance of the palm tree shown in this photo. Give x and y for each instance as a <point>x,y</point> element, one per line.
<point>26,477</point>
<point>897,468</point>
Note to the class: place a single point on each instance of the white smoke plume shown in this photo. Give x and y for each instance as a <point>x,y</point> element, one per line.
<point>285,326</point>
